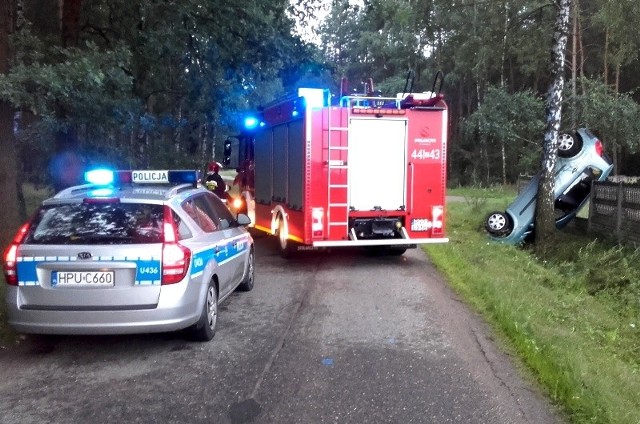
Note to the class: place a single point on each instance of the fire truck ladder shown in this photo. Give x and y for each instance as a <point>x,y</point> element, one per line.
<point>337,190</point>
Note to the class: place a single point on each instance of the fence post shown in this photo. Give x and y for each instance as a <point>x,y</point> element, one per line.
<point>591,205</point>
<point>620,194</point>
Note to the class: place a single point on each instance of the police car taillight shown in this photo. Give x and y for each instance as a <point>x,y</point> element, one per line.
<point>175,257</point>
<point>10,256</point>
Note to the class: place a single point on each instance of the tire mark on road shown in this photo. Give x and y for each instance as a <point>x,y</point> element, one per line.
<point>281,341</point>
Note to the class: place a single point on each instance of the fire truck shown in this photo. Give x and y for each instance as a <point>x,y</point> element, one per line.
<point>369,171</point>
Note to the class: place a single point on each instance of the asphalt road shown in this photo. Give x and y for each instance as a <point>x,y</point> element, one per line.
<point>328,337</point>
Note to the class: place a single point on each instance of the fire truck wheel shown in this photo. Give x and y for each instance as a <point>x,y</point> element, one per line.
<point>284,244</point>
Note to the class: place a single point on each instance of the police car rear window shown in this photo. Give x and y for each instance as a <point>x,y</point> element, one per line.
<point>97,223</point>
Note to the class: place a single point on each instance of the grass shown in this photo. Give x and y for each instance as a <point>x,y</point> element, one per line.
<point>573,318</point>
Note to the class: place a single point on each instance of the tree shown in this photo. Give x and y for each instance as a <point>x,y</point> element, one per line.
<point>545,222</point>
<point>612,116</point>
<point>507,121</point>
<point>150,83</point>
<point>9,213</point>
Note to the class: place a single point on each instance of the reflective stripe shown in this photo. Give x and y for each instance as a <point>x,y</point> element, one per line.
<point>148,269</point>
<point>223,252</point>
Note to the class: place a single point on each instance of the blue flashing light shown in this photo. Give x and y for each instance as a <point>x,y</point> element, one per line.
<point>295,113</point>
<point>99,177</point>
<point>183,177</point>
<point>250,122</point>
<point>101,192</point>
<point>314,97</point>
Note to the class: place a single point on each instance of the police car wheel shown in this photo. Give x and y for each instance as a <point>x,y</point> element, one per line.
<point>205,328</point>
<point>247,283</point>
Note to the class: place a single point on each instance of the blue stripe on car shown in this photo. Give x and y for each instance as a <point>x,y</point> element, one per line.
<point>147,269</point>
<point>222,253</point>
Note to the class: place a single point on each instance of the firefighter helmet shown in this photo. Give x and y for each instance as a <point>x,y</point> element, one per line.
<point>213,167</point>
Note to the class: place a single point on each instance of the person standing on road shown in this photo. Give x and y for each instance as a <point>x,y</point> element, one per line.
<point>214,181</point>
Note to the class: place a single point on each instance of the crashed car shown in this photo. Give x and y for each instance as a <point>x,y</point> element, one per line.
<point>581,160</point>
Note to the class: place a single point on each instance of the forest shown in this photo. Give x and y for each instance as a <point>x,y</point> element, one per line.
<point>161,83</point>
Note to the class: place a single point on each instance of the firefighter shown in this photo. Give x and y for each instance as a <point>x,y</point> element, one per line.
<point>214,181</point>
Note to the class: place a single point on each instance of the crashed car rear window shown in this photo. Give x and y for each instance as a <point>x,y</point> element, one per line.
<point>97,223</point>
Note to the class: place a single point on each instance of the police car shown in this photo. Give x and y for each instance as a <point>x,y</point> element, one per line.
<point>128,252</point>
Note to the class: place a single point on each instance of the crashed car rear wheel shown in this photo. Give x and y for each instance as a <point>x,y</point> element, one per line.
<point>569,145</point>
<point>498,224</point>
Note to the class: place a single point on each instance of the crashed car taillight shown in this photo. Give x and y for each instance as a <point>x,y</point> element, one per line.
<point>599,148</point>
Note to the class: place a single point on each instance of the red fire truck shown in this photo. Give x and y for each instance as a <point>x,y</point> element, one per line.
<point>369,171</point>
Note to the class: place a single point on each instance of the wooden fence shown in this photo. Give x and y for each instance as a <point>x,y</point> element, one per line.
<point>614,212</point>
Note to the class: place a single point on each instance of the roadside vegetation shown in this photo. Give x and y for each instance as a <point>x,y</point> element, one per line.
<point>572,317</point>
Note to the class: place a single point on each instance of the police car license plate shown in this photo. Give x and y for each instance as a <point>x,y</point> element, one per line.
<point>82,279</point>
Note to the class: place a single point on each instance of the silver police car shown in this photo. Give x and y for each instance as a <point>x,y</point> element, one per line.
<point>129,252</point>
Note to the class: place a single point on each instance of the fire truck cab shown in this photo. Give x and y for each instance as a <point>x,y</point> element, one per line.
<point>369,171</point>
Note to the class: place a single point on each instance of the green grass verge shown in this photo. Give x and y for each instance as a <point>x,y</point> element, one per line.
<point>573,318</point>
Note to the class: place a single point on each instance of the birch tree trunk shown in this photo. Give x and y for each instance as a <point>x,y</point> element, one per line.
<point>545,222</point>
<point>574,63</point>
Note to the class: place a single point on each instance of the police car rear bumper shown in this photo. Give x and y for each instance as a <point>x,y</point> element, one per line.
<point>163,317</point>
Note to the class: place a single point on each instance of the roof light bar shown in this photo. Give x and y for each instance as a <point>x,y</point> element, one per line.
<point>99,176</point>
<point>104,177</point>
<point>314,97</point>
<point>250,122</point>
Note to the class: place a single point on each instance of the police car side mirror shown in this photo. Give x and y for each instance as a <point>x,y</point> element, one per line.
<point>243,219</point>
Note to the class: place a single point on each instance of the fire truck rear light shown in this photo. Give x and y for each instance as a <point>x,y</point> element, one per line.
<point>437,213</point>
<point>317,222</point>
